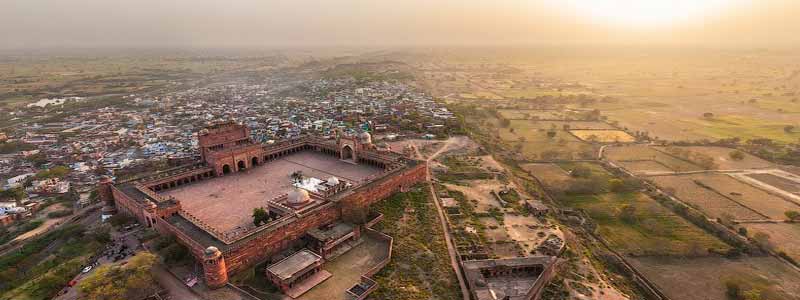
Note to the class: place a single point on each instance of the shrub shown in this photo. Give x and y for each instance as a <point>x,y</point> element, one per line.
<point>59,213</point>
<point>736,155</point>
<point>119,220</point>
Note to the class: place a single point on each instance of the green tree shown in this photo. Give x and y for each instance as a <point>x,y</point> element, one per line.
<point>581,172</point>
<point>754,294</point>
<point>260,216</point>
<point>792,215</point>
<point>736,155</point>
<point>54,172</point>
<point>15,193</point>
<point>13,147</point>
<point>627,213</point>
<point>133,280</point>
<point>763,240</point>
<point>733,290</point>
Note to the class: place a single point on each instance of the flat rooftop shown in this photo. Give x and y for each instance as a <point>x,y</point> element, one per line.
<point>338,230</point>
<point>289,266</point>
<point>227,202</point>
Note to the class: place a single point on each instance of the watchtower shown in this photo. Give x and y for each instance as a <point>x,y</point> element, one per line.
<point>214,268</point>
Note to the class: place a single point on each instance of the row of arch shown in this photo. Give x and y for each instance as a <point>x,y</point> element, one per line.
<point>256,161</point>
<point>182,181</point>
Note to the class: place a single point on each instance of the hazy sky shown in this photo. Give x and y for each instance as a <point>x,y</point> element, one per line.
<point>231,23</point>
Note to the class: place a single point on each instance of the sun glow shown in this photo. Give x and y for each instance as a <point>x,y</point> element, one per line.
<point>647,12</point>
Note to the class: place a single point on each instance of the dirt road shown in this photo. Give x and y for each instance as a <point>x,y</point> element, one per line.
<point>445,228</point>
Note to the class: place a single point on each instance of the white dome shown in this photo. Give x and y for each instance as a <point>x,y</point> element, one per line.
<point>365,137</point>
<point>298,196</point>
<point>211,250</point>
<point>333,180</point>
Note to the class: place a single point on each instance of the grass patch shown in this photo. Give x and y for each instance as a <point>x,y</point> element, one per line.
<point>647,228</point>
<point>420,265</point>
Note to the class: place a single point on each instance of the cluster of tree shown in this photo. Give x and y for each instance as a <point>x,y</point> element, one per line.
<point>15,146</point>
<point>65,249</point>
<point>37,160</point>
<point>704,161</point>
<point>736,155</point>
<point>737,290</point>
<point>120,220</point>
<point>59,213</point>
<point>15,194</point>
<point>170,250</point>
<point>54,172</point>
<point>785,153</point>
<point>133,280</point>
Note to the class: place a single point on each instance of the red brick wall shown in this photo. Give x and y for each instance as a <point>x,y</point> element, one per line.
<point>371,193</point>
<point>271,243</point>
<point>128,206</point>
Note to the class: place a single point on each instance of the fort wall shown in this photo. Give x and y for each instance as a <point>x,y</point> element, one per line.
<point>228,148</point>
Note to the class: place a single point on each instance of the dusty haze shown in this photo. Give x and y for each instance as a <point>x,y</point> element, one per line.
<point>98,23</point>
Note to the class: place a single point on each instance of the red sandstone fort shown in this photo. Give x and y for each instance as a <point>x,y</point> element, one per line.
<point>312,189</point>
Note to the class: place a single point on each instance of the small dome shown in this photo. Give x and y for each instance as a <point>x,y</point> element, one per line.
<point>333,180</point>
<point>211,250</point>
<point>298,196</point>
<point>365,137</point>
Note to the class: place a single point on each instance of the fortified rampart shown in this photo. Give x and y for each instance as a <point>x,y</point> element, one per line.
<point>227,148</point>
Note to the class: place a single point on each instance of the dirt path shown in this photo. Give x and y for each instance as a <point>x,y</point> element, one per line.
<point>445,228</point>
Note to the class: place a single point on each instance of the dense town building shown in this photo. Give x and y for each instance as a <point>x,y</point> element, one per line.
<point>313,189</point>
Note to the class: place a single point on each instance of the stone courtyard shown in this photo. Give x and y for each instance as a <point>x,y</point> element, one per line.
<point>227,202</point>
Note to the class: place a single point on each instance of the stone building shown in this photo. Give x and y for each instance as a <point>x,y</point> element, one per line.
<point>208,205</point>
<point>519,278</point>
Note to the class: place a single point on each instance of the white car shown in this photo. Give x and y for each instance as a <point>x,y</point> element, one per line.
<point>87,269</point>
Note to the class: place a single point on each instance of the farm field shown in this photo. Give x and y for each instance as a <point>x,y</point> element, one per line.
<point>750,196</point>
<point>653,229</point>
<point>642,152</point>
<point>778,182</point>
<point>776,280</point>
<point>640,167</point>
<point>603,136</point>
<point>535,144</point>
<point>571,124</point>
<point>744,127</point>
<point>523,114</point>
<point>684,188</point>
<point>549,174</point>
<point>783,235</point>
<point>723,160</point>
